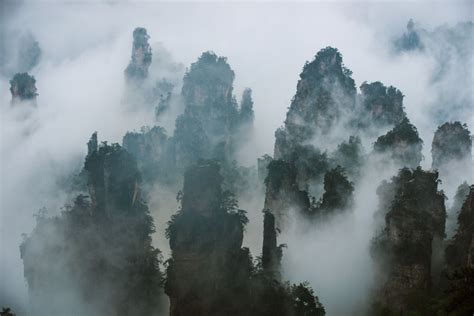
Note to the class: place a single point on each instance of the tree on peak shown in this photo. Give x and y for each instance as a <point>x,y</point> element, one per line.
<point>451,142</point>
<point>23,87</point>
<point>402,143</point>
<point>324,95</point>
<point>209,78</point>
<point>384,105</point>
<point>206,129</point>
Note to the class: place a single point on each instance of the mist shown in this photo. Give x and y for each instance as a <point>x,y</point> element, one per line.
<point>87,45</point>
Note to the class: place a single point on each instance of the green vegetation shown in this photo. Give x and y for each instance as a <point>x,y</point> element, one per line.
<point>402,144</point>
<point>451,142</point>
<point>98,251</point>
<point>22,87</point>
<point>381,105</point>
<point>209,273</point>
<point>137,69</point>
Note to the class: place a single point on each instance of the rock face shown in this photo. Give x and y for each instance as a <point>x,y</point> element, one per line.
<point>206,128</point>
<point>462,193</point>
<point>151,149</point>
<point>23,88</point>
<point>325,92</point>
<point>137,69</point>
<point>262,167</point>
<point>96,257</point>
<point>271,252</point>
<point>459,256</point>
<point>283,195</point>
<point>451,143</point>
<point>401,144</point>
<point>246,117</point>
<point>403,251</point>
<point>6,312</point>
<point>208,264</point>
<point>410,40</point>
<point>460,251</point>
<point>350,156</point>
<point>246,108</point>
<point>381,106</point>
<point>338,192</point>
<point>210,273</point>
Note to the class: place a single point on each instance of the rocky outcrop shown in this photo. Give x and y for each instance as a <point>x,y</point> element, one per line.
<point>460,250</point>
<point>410,40</point>
<point>96,256</point>
<point>262,167</point>
<point>403,250</point>
<point>137,69</point>
<point>451,143</point>
<point>210,273</point>
<point>208,265</point>
<point>206,128</point>
<point>458,289</point>
<point>338,193</point>
<point>381,106</point>
<point>283,196</point>
<point>6,312</point>
<point>462,193</point>
<point>350,156</point>
<point>271,251</point>
<point>23,88</point>
<point>151,149</point>
<point>402,145</point>
<point>325,92</point>
<point>246,115</point>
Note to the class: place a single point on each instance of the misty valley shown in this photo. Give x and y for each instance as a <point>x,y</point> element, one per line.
<point>148,186</point>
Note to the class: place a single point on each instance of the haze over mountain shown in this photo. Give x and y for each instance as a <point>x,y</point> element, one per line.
<point>245,158</point>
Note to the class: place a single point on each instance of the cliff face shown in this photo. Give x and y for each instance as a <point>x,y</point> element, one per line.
<point>338,193</point>
<point>137,69</point>
<point>283,195</point>
<point>403,251</point>
<point>23,88</point>
<point>96,257</point>
<point>271,252</point>
<point>381,106</point>
<point>151,149</point>
<point>451,143</point>
<point>350,156</point>
<point>324,93</point>
<point>6,312</point>
<point>459,256</point>
<point>246,117</point>
<point>208,264</point>
<point>262,167</point>
<point>402,144</point>
<point>207,126</point>
<point>460,250</point>
<point>209,273</point>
